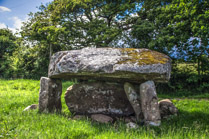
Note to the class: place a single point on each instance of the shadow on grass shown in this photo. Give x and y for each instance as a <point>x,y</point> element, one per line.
<point>188,119</point>
<point>185,120</point>
<point>185,123</point>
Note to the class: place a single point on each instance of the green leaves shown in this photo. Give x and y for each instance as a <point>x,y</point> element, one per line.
<point>174,23</point>
<point>91,22</point>
<point>7,47</point>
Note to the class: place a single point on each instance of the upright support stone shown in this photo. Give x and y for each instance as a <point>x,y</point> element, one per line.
<point>149,104</point>
<point>50,95</point>
<point>133,99</point>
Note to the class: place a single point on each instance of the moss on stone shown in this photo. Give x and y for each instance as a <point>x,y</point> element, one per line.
<point>143,57</point>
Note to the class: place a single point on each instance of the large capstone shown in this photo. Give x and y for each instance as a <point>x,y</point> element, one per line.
<point>111,64</point>
<point>50,95</point>
<point>98,98</point>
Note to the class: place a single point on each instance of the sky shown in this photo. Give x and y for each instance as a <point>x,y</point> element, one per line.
<point>14,12</point>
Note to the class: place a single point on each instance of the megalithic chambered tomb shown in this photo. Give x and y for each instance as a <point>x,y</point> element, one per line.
<point>111,78</point>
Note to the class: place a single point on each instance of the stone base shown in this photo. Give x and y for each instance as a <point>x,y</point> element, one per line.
<point>98,98</point>
<point>115,100</point>
<point>167,108</point>
<point>50,95</point>
<point>101,118</point>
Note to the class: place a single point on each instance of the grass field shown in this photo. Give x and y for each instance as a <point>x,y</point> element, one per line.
<point>192,121</point>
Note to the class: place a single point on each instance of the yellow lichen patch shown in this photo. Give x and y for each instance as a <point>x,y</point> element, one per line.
<point>143,57</point>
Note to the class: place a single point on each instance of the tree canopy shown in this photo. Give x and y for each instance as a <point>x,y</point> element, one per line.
<point>77,24</point>
<point>179,23</point>
<point>162,25</point>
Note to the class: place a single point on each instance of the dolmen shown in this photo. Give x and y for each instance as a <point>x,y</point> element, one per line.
<point>110,81</point>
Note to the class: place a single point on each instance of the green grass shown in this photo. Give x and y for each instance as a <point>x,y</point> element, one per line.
<point>15,95</point>
<point>184,94</point>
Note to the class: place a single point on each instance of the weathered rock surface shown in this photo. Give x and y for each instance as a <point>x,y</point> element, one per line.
<point>149,104</point>
<point>31,107</point>
<point>133,98</point>
<point>111,64</point>
<point>98,98</point>
<point>167,108</point>
<point>50,95</point>
<point>101,118</point>
<point>132,125</point>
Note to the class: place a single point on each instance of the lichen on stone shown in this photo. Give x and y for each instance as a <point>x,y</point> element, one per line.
<point>111,64</point>
<point>142,57</point>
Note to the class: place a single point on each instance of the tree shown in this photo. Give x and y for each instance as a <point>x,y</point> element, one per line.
<point>30,62</point>
<point>75,24</point>
<point>40,30</point>
<point>7,47</point>
<point>179,25</point>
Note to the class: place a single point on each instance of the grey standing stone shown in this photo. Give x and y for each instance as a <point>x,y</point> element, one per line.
<point>50,95</point>
<point>149,104</point>
<point>133,99</point>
